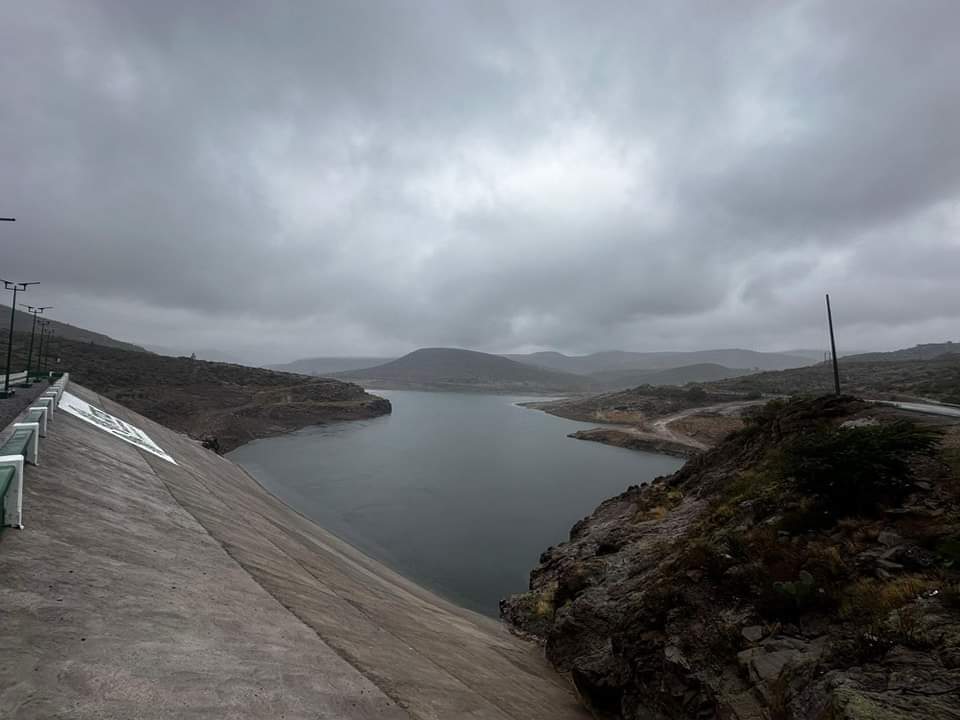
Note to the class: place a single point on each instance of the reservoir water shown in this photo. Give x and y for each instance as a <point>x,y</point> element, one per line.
<point>459,492</point>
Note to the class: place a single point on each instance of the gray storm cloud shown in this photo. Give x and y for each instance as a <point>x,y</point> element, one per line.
<point>289,179</point>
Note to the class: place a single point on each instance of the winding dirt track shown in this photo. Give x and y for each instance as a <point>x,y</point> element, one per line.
<point>659,428</point>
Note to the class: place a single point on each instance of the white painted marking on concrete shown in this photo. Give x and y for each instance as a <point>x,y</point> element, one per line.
<point>112,424</point>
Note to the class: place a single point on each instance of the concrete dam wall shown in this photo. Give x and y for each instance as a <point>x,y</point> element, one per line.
<point>150,587</point>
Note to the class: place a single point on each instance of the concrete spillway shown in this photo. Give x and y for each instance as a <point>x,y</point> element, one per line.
<point>141,588</point>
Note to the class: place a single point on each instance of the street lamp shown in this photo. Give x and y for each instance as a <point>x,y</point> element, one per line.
<point>33,311</point>
<point>16,287</point>
<point>50,347</point>
<point>43,332</point>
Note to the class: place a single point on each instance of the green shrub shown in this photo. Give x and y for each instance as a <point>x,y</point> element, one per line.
<point>857,470</point>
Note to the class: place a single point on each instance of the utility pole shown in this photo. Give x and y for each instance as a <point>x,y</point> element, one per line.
<point>33,330</point>
<point>833,349</point>
<point>16,287</point>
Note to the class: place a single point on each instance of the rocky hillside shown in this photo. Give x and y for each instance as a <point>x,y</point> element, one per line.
<point>23,321</point>
<point>926,351</point>
<point>808,567</point>
<point>879,379</point>
<point>702,372</point>
<point>223,404</point>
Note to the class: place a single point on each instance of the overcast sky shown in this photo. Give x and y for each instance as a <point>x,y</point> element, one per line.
<point>286,179</point>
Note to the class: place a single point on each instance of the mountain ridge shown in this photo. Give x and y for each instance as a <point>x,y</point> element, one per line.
<point>459,369</point>
<point>923,351</point>
<point>609,360</point>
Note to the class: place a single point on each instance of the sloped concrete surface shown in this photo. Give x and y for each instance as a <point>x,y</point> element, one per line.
<point>142,589</point>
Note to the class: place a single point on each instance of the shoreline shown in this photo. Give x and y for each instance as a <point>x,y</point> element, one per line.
<point>660,439</point>
<point>616,437</point>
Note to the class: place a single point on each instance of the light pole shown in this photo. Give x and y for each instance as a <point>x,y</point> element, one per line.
<point>33,330</point>
<point>50,334</point>
<point>43,332</point>
<point>16,287</point>
<point>44,346</point>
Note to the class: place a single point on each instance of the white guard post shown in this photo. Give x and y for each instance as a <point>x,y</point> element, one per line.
<point>52,393</point>
<point>33,449</point>
<point>13,500</point>
<point>43,418</point>
<point>48,403</point>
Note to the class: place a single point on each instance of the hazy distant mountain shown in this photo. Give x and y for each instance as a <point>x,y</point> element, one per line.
<point>454,369</point>
<point>819,356</point>
<point>610,380</point>
<point>927,351</point>
<point>621,360</point>
<point>23,322</point>
<point>328,365</point>
<point>202,354</point>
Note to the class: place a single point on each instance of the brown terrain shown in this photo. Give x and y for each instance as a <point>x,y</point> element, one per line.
<point>223,404</point>
<point>806,568</point>
<point>936,379</point>
<point>668,420</point>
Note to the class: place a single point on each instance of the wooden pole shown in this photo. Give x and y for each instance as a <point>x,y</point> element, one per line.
<point>833,349</point>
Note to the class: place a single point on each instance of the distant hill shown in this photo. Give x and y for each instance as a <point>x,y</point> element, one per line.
<point>464,370</point>
<point>232,403</point>
<point>321,366</point>
<point>927,351</point>
<point>702,372</point>
<point>23,322</point>
<point>208,354</point>
<point>886,378</point>
<point>621,360</point>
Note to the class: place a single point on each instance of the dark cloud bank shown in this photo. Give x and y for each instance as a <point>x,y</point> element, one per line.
<point>288,179</point>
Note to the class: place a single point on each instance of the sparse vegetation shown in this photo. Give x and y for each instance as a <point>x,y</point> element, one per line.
<point>858,469</point>
<point>936,379</point>
<point>825,533</point>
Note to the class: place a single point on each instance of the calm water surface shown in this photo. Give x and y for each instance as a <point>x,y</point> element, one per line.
<point>458,492</point>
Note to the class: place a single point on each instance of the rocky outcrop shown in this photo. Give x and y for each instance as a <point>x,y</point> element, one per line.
<point>744,586</point>
<point>635,441</point>
<point>273,411</point>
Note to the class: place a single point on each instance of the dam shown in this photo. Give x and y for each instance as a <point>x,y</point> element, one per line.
<point>155,579</point>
